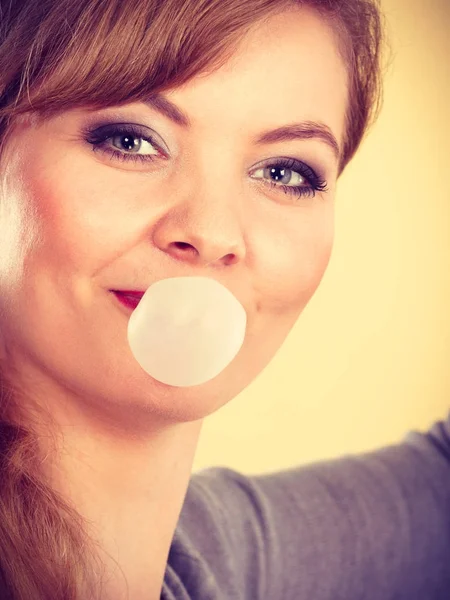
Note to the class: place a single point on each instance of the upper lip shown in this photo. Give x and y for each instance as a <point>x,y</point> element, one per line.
<point>136,293</point>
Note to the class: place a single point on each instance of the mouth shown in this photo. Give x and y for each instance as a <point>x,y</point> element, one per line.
<point>128,298</point>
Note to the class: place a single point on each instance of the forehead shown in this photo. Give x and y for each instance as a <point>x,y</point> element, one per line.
<point>286,69</point>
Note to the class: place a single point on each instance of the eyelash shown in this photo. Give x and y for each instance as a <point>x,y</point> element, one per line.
<point>99,136</point>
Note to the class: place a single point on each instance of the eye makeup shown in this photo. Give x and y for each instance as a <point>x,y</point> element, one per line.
<point>124,141</point>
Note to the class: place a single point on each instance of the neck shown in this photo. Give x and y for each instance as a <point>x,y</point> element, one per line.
<point>131,490</point>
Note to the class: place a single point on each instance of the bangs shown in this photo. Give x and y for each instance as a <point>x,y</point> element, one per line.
<point>56,55</point>
<point>106,53</point>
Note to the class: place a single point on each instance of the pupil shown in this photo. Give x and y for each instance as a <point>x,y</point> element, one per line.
<point>128,142</point>
<point>276,170</point>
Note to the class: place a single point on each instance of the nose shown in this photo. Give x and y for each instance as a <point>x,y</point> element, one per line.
<point>203,230</point>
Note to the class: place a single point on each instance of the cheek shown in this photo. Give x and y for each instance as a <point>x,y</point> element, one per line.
<point>295,261</point>
<point>19,234</point>
<point>74,213</point>
<point>291,260</point>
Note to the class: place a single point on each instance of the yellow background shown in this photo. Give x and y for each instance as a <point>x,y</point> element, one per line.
<point>369,358</point>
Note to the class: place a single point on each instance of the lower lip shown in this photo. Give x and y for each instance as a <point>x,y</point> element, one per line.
<point>128,301</point>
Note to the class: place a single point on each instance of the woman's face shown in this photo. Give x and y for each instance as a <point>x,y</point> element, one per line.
<point>76,224</point>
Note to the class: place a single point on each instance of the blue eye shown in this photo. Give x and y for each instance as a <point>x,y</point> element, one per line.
<point>124,142</point>
<point>129,142</point>
<point>304,181</point>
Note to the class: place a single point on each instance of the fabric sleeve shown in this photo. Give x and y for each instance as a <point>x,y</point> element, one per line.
<point>369,527</point>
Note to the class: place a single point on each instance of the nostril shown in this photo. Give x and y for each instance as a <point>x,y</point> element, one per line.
<point>184,246</point>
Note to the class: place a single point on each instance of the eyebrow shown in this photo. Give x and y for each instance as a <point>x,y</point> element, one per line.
<point>305,130</point>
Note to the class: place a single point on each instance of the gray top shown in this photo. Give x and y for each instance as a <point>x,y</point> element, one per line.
<point>370,527</point>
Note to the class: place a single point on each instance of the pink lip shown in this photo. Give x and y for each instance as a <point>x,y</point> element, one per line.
<point>128,298</point>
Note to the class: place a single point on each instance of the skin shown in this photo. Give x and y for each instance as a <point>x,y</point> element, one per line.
<point>76,224</point>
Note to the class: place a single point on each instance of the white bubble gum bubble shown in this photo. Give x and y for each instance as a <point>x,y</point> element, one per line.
<point>186,330</point>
